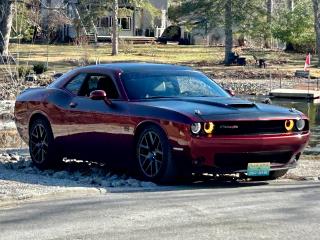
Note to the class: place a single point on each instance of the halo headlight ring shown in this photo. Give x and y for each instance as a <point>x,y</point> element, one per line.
<point>289,125</point>
<point>208,127</point>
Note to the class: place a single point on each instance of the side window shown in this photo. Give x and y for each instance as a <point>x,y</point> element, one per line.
<point>75,84</point>
<point>93,83</point>
<point>102,82</point>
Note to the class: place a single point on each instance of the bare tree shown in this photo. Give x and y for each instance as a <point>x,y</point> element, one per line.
<point>6,15</point>
<point>228,30</point>
<point>57,19</point>
<point>316,10</point>
<point>115,28</point>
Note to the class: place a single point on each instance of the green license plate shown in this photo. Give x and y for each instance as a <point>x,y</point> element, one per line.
<point>258,169</point>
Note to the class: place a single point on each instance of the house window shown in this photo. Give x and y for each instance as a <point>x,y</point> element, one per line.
<point>104,22</point>
<point>125,23</point>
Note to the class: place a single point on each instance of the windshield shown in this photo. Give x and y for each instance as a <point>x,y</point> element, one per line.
<point>169,84</point>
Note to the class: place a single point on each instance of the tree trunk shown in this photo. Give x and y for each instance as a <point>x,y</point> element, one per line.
<point>291,5</point>
<point>228,30</point>
<point>267,42</point>
<point>115,28</point>
<point>6,16</point>
<point>316,11</point>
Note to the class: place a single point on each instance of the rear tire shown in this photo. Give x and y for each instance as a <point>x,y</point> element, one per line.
<point>43,151</point>
<point>154,160</point>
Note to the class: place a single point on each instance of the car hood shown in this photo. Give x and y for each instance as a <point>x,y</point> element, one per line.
<point>223,108</point>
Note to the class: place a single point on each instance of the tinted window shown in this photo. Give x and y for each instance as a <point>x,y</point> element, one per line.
<point>75,84</point>
<point>93,83</point>
<point>99,82</point>
<point>170,84</point>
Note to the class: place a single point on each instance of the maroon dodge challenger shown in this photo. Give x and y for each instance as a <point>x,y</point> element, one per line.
<point>159,121</point>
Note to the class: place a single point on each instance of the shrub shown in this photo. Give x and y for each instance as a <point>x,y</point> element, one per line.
<point>39,68</point>
<point>24,71</point>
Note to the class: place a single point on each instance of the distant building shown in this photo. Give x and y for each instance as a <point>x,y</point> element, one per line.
<point>136,22</point>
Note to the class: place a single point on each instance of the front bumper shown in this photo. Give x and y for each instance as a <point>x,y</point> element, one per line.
<point>229,154</point>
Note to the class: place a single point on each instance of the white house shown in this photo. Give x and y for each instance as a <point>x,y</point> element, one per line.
<point>136,22</point>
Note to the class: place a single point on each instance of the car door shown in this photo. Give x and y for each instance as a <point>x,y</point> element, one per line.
<point>98,129</point>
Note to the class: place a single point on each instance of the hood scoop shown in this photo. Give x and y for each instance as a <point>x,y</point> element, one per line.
<point>241,105</point>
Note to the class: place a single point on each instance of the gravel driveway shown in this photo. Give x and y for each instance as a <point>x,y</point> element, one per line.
<point>21,180</point>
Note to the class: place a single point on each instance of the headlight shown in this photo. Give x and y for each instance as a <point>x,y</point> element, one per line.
<point>208,127</point>
<point>196,128</point>
<point>289,124</point>
<point>300,124</point>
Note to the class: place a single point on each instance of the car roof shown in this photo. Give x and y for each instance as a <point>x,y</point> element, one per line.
<point>138,67</point>
<point>124,67</point>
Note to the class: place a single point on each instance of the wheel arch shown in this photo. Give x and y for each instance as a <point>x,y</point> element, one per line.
<point>38,115</point>
<point>141,126</point>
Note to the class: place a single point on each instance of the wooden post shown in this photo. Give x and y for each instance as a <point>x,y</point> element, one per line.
<point>270,76</point>
<point>309,82</point>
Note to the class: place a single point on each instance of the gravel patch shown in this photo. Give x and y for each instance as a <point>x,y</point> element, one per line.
<point>21,180</point>
<point>308,169</point>
<point>256,86</point>
<point>6,115</point>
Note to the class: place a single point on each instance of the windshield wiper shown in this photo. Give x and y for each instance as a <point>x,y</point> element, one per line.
<point>158,97</point>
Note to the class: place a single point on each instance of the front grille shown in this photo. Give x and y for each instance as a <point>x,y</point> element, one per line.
<point>251,127</point>
<point>239,161</point>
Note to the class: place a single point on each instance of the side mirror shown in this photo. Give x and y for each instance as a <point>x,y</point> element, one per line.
<point>98,95</point>
<point>230,91</point>
<point>267,101</point>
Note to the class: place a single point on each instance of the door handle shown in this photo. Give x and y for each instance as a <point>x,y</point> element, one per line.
<point>73,104</point>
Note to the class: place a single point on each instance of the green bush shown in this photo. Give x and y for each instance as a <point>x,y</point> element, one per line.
<point>39,68</point>
<point>24,71</point>
<point>27,35</point>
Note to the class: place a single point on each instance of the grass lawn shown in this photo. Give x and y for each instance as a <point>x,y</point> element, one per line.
<point>65,57</point>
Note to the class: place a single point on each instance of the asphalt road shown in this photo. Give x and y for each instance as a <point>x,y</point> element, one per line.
<point>280,210</point>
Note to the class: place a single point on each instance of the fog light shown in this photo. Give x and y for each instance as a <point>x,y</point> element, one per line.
<point>289,124</point>
<point>208,127</point>
<point>195,128</point>
<point>300,124</point>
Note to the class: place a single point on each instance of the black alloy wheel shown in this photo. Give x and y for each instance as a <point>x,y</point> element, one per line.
<point>150,154</point>
<point>153,156</point>
<point>41,145</point>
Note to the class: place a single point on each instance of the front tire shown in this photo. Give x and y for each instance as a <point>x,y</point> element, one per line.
<point>42,149</point>
<point>277,174</point>
<point>153,156</point>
